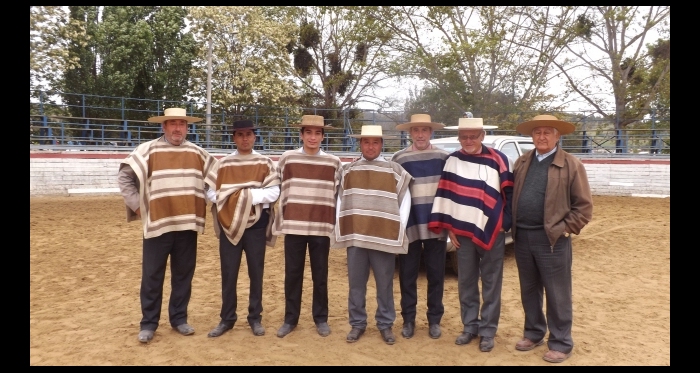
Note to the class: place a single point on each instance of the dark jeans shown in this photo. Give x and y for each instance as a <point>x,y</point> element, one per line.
<point>434,254</point>
<point>294,263</point>
<point>181,247</point>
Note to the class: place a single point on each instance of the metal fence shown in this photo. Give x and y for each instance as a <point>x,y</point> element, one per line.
<point>62,121</point>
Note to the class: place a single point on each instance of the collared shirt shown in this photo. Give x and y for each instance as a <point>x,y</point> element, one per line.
<point>540,157</point>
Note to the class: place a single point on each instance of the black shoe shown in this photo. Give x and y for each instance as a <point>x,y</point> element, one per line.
<point>145,335</point>
<point>464,338</point>
<point>354,334</point>
<point>257,328</point>
<point>486,344</point>
<point>408,329</point>
<point>323,329</point>
<point>220,329</point>
<point>285,329</point>
<point>185,329</point>
<point>434,331</point>
<point>388,336</point>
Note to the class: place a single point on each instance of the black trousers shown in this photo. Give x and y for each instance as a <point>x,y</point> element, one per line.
<point>434,254</point>
<point>181,247</point>
<point>294,263</point>
<point>253,243</point>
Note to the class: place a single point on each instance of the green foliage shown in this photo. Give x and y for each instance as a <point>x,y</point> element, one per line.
<point>584,26</point>
<point>141,52</point>
<point>309,36</point>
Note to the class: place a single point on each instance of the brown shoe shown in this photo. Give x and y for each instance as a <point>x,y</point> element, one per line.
<point>527,345</point>
<point>555,356</point>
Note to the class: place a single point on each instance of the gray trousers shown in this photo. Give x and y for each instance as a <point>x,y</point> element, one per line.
<point>545,269</point>
<point>480,318</point>
<point>383,264</point>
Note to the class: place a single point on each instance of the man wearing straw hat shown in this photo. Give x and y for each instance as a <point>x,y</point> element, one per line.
<point>424,162</point>
<point>473,203</point>
<point>306,216</point>
<point>163,183</point>
<point>372,210</point>
<point>247,184</point>
<point>551,201</point>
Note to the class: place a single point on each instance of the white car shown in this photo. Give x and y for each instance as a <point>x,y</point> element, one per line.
<point>512,146</point>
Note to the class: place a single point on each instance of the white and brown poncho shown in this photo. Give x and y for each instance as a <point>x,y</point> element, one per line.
<point>171,186</point>
<point>373,206</point>
<point>234,209</point>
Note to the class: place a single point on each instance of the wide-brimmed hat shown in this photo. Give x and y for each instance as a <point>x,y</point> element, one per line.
<point>372,130</point>
<point>545,120</point>
<point>420,120</point>
<point>243,125</point>
<point>311,121</point>
<point>470,124</point>
<point>174,113</point>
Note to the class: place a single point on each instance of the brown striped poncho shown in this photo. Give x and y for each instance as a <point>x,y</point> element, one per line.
<point>307,193</point>
<point>171,186</point>
<point>369,206</point>
<point>236,174</point>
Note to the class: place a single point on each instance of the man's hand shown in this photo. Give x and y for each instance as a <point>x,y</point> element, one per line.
<point>138,212</point>
<point>454,240</point>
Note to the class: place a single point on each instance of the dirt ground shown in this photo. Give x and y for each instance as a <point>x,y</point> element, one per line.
<point>85,269</point>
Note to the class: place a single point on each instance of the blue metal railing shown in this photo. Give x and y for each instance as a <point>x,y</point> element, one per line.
<point>61,120</point>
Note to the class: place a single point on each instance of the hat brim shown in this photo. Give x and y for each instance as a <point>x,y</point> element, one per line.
<point>526,128</point>
<point>433,125</point>
<point>489,127</point>
<point>387,137</point>
<point>163,118</point>
<point>308,125</point>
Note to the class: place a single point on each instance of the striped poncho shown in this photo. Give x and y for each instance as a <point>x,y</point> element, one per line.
<point>307,193</point>
<point>236,174</point>
<point>425,166</point>
<point>473,196</point>
<point>370,201</point>
<point>171,186</point>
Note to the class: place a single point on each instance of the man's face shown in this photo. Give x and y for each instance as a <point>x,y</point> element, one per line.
<point>420,135</point>
<point>545,138</point>
<point>312,138</point>
<point>371,147</point>
<point>471,140</point>
<point>175,130</point>
<point>245,140</point>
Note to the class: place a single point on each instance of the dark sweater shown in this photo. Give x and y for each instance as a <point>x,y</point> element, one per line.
<point>531,202</point>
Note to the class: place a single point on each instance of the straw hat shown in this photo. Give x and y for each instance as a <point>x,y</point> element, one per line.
<point>372,131</point>
<point>470,124</point>
<point>311,121</point>
<point>420,120</point>
<point>174,113</point>
<point>545,120</point>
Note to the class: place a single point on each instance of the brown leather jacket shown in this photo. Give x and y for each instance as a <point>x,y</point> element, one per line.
<point>568,205</point>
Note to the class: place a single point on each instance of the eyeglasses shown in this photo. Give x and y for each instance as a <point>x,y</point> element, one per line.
<point>469,137</point>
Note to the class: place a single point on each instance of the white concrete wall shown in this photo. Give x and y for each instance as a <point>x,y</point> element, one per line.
<point>68,176</point>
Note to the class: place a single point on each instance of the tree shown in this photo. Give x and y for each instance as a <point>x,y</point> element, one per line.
<point>83,77</point>
<point>50,33</point>
<point>340,56</point>
<point>249,60</point>
<point>608,46</point>
<point>139,52</point>
<point>477,57</point>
